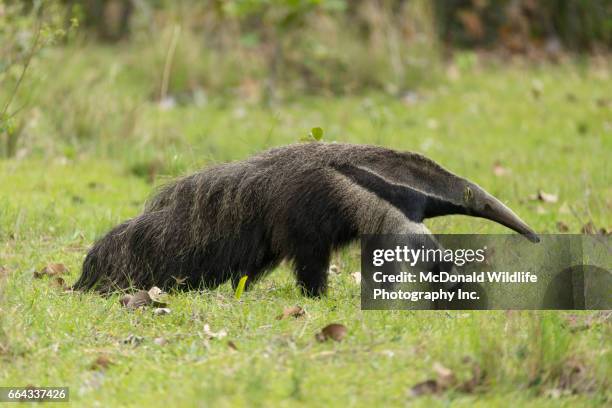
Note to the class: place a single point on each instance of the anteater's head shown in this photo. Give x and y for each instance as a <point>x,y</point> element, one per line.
<point>479,203</point>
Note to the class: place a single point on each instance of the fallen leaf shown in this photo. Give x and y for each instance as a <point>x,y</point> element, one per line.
<point>562,227</point>
<point>133,340</point>
<point>427,387</point>
<point>179,280</point>
<point>160,311</point>
<point>232,345</point>
<point>334,331</point>
<point>59,283</point>
<point>591,229</point>
<point>575,377</point>
<point>356,276</point>
<point>547,197</point>
<point>157,296</point>
<point>214,335</point>
<point>125,300</point>
<point>334,269</point>
<point>139,299</point>
<point>500,170</point>
<point>576,323</point>
<point>101,363</point>
<point>445,376</point>
<point>476,380</point>
<point>293,311</point>
<point>160,341</point>
<point>53,269</point>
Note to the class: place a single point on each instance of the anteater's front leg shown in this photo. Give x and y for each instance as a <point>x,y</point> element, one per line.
<point>311,264</point>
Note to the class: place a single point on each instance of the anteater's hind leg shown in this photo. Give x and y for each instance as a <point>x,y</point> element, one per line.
<point>255,268</point>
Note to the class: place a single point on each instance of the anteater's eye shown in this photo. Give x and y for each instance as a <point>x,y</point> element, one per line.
<point>468,195</point>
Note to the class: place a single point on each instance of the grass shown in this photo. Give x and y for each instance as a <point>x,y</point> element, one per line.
<point>548,127</point>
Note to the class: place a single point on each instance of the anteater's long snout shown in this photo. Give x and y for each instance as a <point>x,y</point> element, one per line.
<point>495,210</point>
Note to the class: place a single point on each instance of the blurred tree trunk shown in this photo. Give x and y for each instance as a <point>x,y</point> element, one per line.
<point>109,19</point>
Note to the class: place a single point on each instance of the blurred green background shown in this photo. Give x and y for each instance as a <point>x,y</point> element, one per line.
<point>87,72</point>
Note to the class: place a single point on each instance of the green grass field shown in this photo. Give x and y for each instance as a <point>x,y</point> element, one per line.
<point>512,130</point>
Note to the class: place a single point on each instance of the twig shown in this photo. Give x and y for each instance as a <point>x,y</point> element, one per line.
<point>23,72</point>
<point>168,64</point>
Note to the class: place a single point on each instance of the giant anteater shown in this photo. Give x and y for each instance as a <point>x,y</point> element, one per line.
<point>298,202</point>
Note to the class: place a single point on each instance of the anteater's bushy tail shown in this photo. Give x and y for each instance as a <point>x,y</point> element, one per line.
<point>105,260</point>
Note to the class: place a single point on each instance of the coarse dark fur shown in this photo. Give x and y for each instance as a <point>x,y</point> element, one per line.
<point>298,203</point>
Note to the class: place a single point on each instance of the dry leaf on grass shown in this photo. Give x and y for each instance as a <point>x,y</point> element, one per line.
<point>476,380</point>
<point>160,341</point>
<point>293,311</point>
<point>562,227</point>
<point>590,229</point>
<point>214,335</point>
<point>445,376</point>
<point>179,280</point>
<point>125,300</point>
<point>575,377</point>
<point>544,197</point>
<point>52,269</point>
<point>160,311</point>
<point>133,340</point>
<point>334,331</point>
<point>232,345</point>
<point>101,363</point>
<point>60,283</point>
<point>139,299</point>
<point>153,297</point>
<point>576,323</point>
<point>500,170</point>
<point>425,388</point>
<point>446,379</point>
<point>158,297</point>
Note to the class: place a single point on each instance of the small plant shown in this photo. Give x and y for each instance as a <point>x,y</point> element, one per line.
<point>25,29</point>
<point>315,135</point>
<point>240,287</point>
